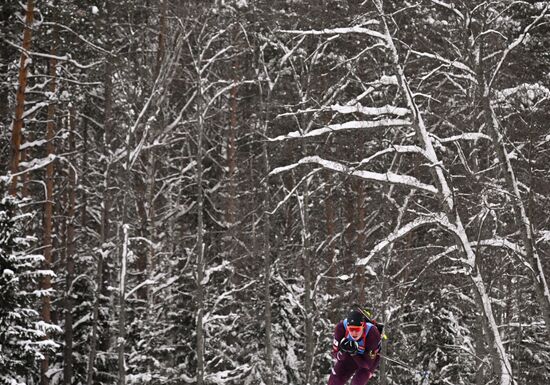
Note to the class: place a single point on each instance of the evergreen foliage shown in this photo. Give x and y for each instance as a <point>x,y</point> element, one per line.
<point>22,334</point>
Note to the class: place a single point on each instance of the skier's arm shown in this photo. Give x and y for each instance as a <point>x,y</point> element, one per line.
<point>339,333</point>
<point>371,358</point>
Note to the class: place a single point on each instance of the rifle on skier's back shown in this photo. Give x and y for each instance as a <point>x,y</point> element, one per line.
<point>368,317</point>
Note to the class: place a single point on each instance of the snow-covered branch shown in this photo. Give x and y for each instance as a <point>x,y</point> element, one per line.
<point>34,164</point>
<point>465,136</point>
<point>450,63</point>
<point>387,178</point>
<point>338,31</point>
<point>437,218</point>
<point>395,149</point>
<point>344,127</point>
<point>78,36</point>
<point>370,111</point>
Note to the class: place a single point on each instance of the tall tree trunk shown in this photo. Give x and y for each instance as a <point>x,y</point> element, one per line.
<point>331,249</point>
<point>350,233</point>
<point>122,303</point>
<point>153,163</point>
<point>17,125</point>
<point>232,157</point>
<point>102,273</point>
<point>480,351</point>
<point>48,206</point>
<point>200,299</point>
<point>266,239</point>
<point>266,249</point>
<point>386,281</point>
<point>231,199</point>
<point>161,38</point>
<point>303,202</point>
<point>151,228</point>
<point>360,224</point>
<point>70,253</point>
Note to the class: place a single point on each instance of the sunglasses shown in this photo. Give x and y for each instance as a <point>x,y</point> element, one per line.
<point>355,329</point>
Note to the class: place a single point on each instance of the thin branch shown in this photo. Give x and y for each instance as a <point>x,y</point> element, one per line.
<point>514,44</point>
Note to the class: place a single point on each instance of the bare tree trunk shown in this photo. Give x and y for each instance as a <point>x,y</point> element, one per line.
<point>266,239</point>
<point>151,230</point>
<point>480,334</point>
<point>267,267</point>
<point>200,299</point>
<point>385,283</point>
<point>17,125</point>
<point>162,38</point>
<point>350,233</point>
<point>48,206</point>
<point>105,218</point>
<point>153,162</point>
<point>232,157</point>
<point>360,224</point>
<point>70,253</point>
<point>122,303</point>
<point>303,202</point>
<point>231,199</point>
<point>330,224</point>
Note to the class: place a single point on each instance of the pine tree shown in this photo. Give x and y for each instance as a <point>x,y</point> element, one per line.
<point>22,333</point>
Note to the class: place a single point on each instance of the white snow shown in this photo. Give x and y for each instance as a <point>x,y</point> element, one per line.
<point>388,177</point>
<point>354,124</point>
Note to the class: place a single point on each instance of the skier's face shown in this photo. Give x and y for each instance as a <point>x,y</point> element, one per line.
<point>355,331</point>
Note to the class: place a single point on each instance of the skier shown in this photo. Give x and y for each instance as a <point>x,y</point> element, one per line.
<point>355,349</point>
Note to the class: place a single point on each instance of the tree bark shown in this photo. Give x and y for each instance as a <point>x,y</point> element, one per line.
<point>303,202</point>
<point>200,299</point>
<point>360,224</point>
<point>70,253</point>
<point>330,226</point>
<point>122,303</point>
<point>266,238</point>
<point>102,273</point>
<point>267,266</point>
<point>232,155</point>
<point>17,126</point>
<point>46,283</point>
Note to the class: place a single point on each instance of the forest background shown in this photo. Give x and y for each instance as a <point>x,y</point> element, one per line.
<point>196,191</point>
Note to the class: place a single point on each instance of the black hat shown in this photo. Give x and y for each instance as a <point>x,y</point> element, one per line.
<point>355,318</point>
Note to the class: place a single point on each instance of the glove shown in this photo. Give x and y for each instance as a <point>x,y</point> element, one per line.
<point>348,346</point>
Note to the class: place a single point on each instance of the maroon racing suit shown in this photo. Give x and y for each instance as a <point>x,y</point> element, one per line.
<point>360,365</point>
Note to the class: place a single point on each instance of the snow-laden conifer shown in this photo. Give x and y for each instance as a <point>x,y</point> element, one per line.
<point>22,332</point>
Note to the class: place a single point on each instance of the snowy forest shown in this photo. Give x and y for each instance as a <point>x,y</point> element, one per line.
<point>197,191</point>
